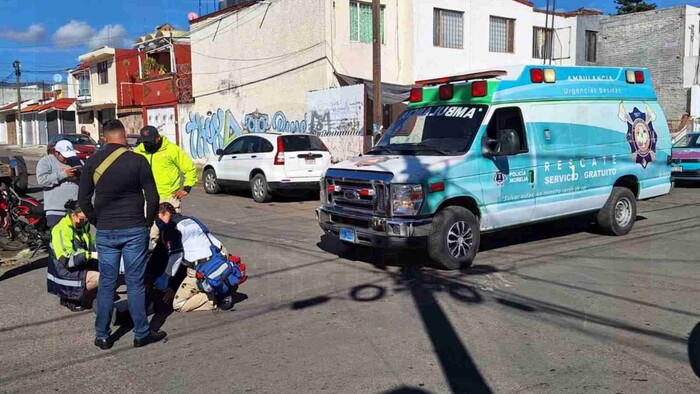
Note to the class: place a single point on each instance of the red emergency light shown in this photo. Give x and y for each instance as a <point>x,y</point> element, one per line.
<point>416,95</point>
<point>479,89</point>
<point>446,92</point>
<point>536,75</point>
<point>639,76</point>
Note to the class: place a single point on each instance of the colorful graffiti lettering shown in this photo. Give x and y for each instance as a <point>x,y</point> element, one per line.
<point>255,122</point>
<point>282,125</point>
<point>207,134</point>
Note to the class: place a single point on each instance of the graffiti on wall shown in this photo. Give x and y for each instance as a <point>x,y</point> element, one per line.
<point>211,132</point>
<point>338,117</point>
<point>256,122</point>
<point>215,130</point>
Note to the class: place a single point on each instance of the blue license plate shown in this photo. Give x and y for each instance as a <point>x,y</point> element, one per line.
<point>348,235</point>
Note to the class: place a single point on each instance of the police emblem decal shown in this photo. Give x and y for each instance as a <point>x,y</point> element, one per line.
<point>499,178</point>
<point>641,135</point>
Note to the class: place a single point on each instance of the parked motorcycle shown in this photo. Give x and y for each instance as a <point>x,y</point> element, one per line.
<point>23,220</point>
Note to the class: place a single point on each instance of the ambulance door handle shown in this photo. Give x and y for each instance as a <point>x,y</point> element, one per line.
<point>547,135</point>
<point>531,177</point>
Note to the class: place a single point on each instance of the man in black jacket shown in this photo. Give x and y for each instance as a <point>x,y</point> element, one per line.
<point>119,180</point>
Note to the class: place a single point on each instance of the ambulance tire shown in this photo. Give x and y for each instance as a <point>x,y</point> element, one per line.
<point>454,238</point>
<point>619,213</point>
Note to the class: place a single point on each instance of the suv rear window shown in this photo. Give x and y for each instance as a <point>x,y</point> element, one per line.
<point>302,142</point>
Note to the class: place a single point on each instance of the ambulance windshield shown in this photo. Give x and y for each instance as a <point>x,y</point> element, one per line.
<point>441,130</point>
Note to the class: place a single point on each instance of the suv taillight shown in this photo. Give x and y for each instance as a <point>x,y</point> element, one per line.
<point>279,157</point>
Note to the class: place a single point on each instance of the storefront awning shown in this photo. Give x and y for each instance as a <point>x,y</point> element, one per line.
<point>391,93</point>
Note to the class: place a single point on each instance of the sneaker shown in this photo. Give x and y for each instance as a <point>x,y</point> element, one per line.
<point>153,337</point>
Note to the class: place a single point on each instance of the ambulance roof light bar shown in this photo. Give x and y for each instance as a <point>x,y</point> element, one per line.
<point>463,78</point>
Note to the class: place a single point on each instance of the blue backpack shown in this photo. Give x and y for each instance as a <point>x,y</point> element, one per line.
<point>218,276</point>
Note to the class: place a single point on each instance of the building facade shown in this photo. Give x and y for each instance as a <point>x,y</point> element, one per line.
<point>166,72</point>
<point>279,66</point>
<point>107,85</point>
<point>667,42</point>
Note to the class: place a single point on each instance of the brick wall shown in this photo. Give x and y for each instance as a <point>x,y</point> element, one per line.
<point>652,39</point>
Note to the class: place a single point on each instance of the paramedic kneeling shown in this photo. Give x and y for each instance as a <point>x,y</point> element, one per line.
<point>189,244</point>
<point>71,273</point>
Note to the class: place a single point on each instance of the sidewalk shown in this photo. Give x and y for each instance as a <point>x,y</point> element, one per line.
<point>27,151</point>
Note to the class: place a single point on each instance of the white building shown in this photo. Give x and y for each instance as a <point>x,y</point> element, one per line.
<point>255,63</point>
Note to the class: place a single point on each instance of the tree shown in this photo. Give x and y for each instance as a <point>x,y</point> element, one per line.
<point>632,6</point>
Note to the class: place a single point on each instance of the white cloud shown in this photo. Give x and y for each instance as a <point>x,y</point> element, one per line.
<point>33,34</point>
<point>79,33</point>
<point>73,34</point>
<point>111,35</point>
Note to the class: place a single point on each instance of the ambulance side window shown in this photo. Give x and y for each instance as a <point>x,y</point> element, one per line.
<point>504,122</point>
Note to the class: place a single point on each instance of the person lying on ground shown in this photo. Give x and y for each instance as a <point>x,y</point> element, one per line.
<point>72,273</point>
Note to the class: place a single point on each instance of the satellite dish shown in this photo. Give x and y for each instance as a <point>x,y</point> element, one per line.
<point>192,16</point>
<point>58,78</point>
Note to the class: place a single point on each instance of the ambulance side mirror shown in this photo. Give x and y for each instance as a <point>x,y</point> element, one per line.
<point>507,144</point>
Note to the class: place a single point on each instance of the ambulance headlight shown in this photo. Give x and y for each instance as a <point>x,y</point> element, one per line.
<point>406,200</point>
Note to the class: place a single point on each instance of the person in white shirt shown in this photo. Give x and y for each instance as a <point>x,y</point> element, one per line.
<point>188,243</point>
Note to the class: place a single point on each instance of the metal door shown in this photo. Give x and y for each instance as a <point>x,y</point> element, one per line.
<point>164,120</point>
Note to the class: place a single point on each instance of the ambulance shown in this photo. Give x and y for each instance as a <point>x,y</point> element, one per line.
<point>490,150</point>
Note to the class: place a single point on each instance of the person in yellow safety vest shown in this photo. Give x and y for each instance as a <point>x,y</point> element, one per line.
<point>168,162</point>
<point>72,273</point>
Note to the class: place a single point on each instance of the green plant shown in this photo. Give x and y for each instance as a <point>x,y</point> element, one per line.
<point>152,68</point>
<point>632,6</point>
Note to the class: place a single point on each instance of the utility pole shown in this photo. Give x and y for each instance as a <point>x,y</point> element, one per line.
<point>377,66</point>
<point>18,73</point>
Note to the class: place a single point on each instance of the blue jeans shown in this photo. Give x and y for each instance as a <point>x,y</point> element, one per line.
<point>112,245</point>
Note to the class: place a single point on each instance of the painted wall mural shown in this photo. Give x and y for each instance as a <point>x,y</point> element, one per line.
<point>338,117</point>
<point>214,130</point>
<point>210,132</point>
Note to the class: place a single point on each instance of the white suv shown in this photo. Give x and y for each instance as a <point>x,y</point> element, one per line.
<point>268,163</point>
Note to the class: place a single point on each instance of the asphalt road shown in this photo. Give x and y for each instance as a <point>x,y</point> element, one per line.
<point>551,308</point>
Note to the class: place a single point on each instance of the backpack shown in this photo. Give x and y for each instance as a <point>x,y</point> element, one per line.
<point>219,276</point>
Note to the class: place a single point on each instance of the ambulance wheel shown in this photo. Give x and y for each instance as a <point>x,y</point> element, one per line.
<point>211,186</point>
<point>454,238</point>
<point>619,213</point>
<point>259,188</point>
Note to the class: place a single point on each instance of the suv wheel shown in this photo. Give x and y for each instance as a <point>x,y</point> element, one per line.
<point>211,186</point>
<point>619,213</point>
<point>454,238</point>
<point>259,189</point>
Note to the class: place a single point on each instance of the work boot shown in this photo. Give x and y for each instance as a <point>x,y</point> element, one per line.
<point>153,337</point>
<point>225,303</point>
<point>72,305</point>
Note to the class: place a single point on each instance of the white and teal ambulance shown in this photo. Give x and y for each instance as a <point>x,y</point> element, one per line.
<point>485,151</point>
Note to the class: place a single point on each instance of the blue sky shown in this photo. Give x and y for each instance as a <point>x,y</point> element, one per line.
<point>48,35</point>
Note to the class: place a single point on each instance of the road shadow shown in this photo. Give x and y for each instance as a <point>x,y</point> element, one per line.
<point>537,232</point>
<point>23,269</point>
<point>284,197</point>
<point>406,390</point>
<point>687,184</point>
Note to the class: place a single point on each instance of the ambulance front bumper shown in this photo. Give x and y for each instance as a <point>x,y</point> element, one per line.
<point>375,231</point>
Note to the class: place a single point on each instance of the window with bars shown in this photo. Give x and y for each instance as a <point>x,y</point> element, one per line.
<point>102,73</point>
<point>448,28</point>
<point>542,42</point>
<point>501,35</point>
<point>361,22</point>
<point>591,46</point>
